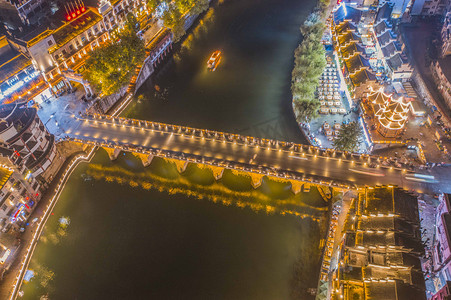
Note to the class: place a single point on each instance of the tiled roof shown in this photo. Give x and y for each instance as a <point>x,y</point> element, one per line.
<point>13,66</point>
<point>344,27</point>
<point>339,14</point>
<point>4,176</point>
<point>351,49</point>
<point>396,61</point>
<point>348,37</point>
<point>390,49</point>
<point>362,77</point>
<point>345,12</point>
<point>384,13</point>
<point>356,63</point>
<point>381,27</point>
<point>445,65</point>
<point>385,38</point>
<point>75,27</point>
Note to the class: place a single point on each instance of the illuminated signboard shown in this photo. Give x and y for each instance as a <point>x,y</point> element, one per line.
<point>74,9</point>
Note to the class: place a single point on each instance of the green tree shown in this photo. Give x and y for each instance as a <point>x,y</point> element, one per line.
<point>111,67</point>
<point>349,137</point>
<point>306,110</point>
<point>309,63</point>
<point>153,4</point>
<point>173,17</point>
<point>200,6</point>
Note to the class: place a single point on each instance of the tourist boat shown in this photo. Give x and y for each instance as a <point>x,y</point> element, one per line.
<point>214,60</point>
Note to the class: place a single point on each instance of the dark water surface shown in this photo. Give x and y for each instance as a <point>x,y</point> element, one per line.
<point>151,233</point>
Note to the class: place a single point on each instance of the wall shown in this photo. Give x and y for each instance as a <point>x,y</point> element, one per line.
<point>145,72</point>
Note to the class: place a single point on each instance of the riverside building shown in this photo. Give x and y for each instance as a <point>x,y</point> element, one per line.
<point>25,143</point>
<point>18,197</point>
<point>380,250</point>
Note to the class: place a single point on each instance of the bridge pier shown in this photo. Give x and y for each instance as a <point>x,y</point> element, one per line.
<point>217,172</point>
<point>112,153</point>
<point>180,164</point>
<point>256,180</point>
<point>145,159</point>
<point>296,186</point>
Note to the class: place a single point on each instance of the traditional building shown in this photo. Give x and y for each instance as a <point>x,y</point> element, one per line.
<point>32,12</point>
<point>446,35</point>
<point>441,72</point>
<point>390,115</point>
<point>19,77</point>
<point>427,8</point>
<point>390,51</point>
<point>379,257</point>
<point>18,198</point>
<point>24,140</point>
<point>441,249</point>
<point>115,12</point>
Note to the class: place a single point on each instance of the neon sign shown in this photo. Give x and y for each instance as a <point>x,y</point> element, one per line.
<point>74,9</point>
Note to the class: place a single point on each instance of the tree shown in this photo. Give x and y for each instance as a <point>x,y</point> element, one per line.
<point>306,110</point>
<point>349,137</point>
<point>153,4</point>
<point>111,67</point>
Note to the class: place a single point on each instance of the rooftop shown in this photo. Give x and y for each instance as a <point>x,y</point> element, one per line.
<point>13,66</point>
<point>362,77</point>
<point>77,26</point>
<point>384,13</point>
<point>381,27</point>
<point>445,65</point>
<point>351,49</point>
<point>4,176</point>
<point>346,12</point>
<point>348,37</point>
<point>356,62</point>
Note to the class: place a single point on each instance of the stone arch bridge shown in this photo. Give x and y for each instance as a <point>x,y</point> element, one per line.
<point>285,161</point>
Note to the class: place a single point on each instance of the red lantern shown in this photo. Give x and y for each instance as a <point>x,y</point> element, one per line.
<point>83,9</point>
<point>68,17</point>
<point>78,12</point>
<point>73,15</point>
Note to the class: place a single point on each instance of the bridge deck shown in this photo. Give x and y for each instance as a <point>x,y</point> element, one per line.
<point>245,153</point>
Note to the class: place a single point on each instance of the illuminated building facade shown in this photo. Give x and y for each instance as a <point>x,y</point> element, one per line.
<point>446,35</point>
<point>379,257</point>
<point>441,251</point>
<point>441,72</point>
<point>31,11</point>
<point>18,197</point>
<point>390,50</point>
<point>390,114</point>
<point>351,50</point>
<point>24,140</point>
<point>17,72</point>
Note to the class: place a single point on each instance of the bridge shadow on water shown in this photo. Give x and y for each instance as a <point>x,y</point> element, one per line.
<point>198,181</point>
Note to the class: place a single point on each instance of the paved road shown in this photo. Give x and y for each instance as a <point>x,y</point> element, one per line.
<point>277,157</point>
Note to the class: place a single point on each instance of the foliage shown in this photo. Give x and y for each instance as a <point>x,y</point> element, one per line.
<point>173,16</point>
<point>309,63</point>
<point>111,67</point>
<point>306,110</point>
<point>349,137</point>
<point>153,4</point>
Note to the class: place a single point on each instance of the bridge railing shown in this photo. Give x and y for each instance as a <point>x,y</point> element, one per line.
<point>193,158</point>
<point>366,160</point>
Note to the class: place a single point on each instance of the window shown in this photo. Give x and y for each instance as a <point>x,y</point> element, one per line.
<point>4,207</point>
<point>71,47</point>
<point>50,42</point>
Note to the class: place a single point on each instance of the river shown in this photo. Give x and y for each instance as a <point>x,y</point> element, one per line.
<point>151,233</point>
